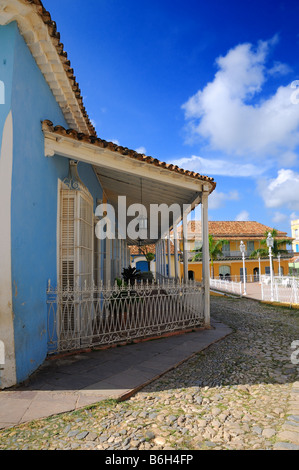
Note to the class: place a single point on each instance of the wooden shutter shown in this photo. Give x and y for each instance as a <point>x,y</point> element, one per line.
<point>76,239</point>
<point>67,238</point>
<point>75,261</point>
<point>85,240</point>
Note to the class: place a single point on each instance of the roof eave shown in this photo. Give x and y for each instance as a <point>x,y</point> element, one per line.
<point>66,142</point>
<point>43,40</point>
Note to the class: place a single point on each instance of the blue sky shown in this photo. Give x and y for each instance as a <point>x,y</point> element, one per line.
<point>207,85</point>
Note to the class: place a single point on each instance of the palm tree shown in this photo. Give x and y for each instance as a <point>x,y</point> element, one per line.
<point>276,250</point>
<point>215,250</point>
<point>263,252</point>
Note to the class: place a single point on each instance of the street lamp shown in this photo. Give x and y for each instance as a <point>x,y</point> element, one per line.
<point>242,249</point>
<point>260,270</point>
<point>270,243</point>
<point>279,271</point>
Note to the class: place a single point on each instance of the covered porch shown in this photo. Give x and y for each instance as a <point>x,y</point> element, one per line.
<point>104,309</point>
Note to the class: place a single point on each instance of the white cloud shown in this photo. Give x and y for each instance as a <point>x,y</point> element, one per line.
<point>141,150</point>
<point>217,199</point>
<point>279,217</point>
<point>231,113</point>
<point>115,141</point>
<point>206,166</point>
<point>282,191</point>
<point>242,216</point>
<point>279,68</point>
<point>288,158</point>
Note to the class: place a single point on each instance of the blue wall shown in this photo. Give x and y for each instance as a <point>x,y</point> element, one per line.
<point>7,42</point>
<point>34,207</point>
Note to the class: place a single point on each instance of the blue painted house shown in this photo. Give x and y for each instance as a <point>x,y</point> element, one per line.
<point>54,172</point>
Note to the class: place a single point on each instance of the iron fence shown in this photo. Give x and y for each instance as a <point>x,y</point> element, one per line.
<point>88,317</point>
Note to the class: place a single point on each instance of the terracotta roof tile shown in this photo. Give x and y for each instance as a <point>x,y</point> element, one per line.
<point>134,249</point>
<point>92,137</point>
<point>49,127</point>
<point>55,37</point>
<point>237,230</point>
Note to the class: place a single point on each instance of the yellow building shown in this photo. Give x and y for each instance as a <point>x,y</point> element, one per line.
<point>230,264</point>
<point>295,235</point>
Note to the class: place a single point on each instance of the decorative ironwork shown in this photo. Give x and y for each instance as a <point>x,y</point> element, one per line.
<point>73,181</point>
<point>104,315</point>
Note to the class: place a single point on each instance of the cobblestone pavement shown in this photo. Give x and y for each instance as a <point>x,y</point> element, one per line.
<point>241,393</point>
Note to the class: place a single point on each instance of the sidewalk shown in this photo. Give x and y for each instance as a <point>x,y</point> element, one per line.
<point>69,383</point>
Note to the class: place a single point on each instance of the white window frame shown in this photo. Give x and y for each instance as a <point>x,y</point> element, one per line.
<point>78,257</point>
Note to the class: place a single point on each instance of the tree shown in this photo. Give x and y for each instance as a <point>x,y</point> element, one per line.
<point>215,250</point>
<point>149,256</point>
<point>263,252</point>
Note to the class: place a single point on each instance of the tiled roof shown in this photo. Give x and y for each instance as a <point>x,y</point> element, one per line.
<point>38,7</point>
<point>69,71</point>
<point>237,230</point>
<point>91,139</point>
<point>134,249</point>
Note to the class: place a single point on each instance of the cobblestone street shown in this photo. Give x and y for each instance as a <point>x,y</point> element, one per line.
<point>240,393</point>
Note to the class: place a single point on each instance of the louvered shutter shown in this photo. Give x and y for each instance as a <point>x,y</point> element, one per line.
<point>76,239</point>
<point>85,238</point>
<point>67,238</point>
<point>75,261</point>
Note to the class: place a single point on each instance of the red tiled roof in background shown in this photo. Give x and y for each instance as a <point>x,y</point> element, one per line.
<point>236,230</point>
<point>134,249</point>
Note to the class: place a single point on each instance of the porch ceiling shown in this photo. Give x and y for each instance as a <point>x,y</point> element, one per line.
<point>123,172</point>
<point>144,190</point>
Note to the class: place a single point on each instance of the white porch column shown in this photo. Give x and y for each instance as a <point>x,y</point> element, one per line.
<point>125,254</point>
<point>176,261</point>
<point>156,258</point>
<point>205,257</point>
<point>127,259</point>
<point>108,261</point>
<point>159,256</point>
<point>169,256</point>
<point>185,248</point>
<point>164,258</point>
<point>122,254</point>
